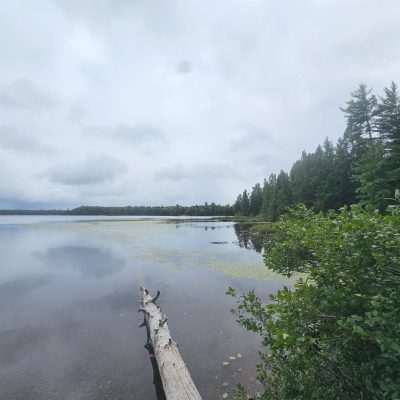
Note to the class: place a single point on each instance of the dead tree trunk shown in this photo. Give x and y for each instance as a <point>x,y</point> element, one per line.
<point>156,373</point>
<point>175,376</point>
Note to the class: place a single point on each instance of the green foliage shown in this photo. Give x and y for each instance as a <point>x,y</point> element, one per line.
<point>376,169</point>
<point>239,393</point>
<point>283,193</point>
<point>196,210</point>
<point>256,199</point>
<point>245,206</point>
<point>238,205</point>
<point>364,165</point>
<point>269,206</point>
<point>360,112</point>
<point>388,127</point>
<point>336,334</point>
<point>369,173</point>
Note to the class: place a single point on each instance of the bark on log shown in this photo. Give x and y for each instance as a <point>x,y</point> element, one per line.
<point>156,373</point>
<point>175,376</point>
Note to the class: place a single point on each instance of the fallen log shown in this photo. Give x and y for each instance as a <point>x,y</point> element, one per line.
<point>175,376</point>
<point>156,373</point>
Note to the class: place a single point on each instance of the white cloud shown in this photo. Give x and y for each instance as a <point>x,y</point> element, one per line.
<point>186,101</point>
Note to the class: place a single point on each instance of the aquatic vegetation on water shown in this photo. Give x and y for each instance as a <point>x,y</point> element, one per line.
<point>230,266</point>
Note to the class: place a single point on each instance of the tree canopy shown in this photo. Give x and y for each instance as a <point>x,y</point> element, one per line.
<point>364,165</point>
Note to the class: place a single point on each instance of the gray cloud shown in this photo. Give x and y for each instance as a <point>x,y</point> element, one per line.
<point>16,202</point>
<point>258,150</point>
<point>184,67</point>
<point>253,139</point>
<point>90,171</point>
<point>13,138</point>
<point>76,114</point>
<point>24,94</point>
<point>156,15</point>
<point>211,172</point>
<point>94,9</point>
<point>187,105</point>
<point>135,134</point>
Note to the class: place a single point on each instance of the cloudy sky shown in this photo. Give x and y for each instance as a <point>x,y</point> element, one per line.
<point>121,102</point>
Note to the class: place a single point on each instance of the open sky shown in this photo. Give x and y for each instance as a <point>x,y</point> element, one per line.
<point>118,102</point>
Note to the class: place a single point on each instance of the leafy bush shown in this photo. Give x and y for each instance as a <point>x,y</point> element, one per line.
<point>336,333</point>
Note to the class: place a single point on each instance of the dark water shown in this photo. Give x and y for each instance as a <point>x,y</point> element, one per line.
<point>69,293</point>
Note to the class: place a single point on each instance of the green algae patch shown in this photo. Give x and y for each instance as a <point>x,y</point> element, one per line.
<point>162,245</point>
<point>178,260</point>
<point>251,271</point>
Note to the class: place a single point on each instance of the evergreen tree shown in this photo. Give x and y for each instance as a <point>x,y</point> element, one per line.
<point>369,173</point>
<point>328,176</point>
<point>245,208</point>
<point>388,127</point>
<point>269,206</point>
<point>364,165</point>
<point>343,184</point>
<point>360,112</point>
<point>237,207</point>
<point>267,196</point>
<point>283,194</point>
<point>304,178</point>
<point>256,199</point>
<point>319,174</point>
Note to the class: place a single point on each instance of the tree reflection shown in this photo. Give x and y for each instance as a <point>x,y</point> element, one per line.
<point>248,240</point>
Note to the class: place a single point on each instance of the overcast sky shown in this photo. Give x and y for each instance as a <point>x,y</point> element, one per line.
<point>120,102</point>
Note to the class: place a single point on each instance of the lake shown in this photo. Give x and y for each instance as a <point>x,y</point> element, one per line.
<point>69,295</point>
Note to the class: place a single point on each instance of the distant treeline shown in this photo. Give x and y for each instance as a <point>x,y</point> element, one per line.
<point>177,210</point>
<point>364,165</point>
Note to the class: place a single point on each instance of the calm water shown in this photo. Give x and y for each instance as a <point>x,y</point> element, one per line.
<point>69,293</point>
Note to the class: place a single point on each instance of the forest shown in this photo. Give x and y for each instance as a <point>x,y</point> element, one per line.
<point>363,166</point>
<point>334,334</point>
<point>206,209</point>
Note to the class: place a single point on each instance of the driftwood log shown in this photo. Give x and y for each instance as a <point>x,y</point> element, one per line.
<point>175,376</point>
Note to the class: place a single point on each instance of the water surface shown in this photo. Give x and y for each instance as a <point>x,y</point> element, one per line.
<point>69,294</point>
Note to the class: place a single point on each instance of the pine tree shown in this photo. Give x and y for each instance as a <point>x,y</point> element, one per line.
<point>360,112</point>
<point>283,194</point>
<point>245,209</point>
<point>344,186</point>
<point>300,176</point>
<point>364,165</point>
<point>388,127</point>
<point>267,195</point>
<point>327,177</point>
<point>256,198</point>
<point>269,203</point>
<point>369,173</point>
<point>237,207</point>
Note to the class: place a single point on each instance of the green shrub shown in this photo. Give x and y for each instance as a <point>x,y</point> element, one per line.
<point>336,333</point>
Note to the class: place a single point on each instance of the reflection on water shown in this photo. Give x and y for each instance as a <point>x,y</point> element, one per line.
<point>246,240</point>
<point>17,342</point>
<point>12,291</point>
<point>88,261</point>
<point>69,294</point>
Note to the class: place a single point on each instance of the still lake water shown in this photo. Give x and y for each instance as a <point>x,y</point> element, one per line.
<point>69,294</point>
